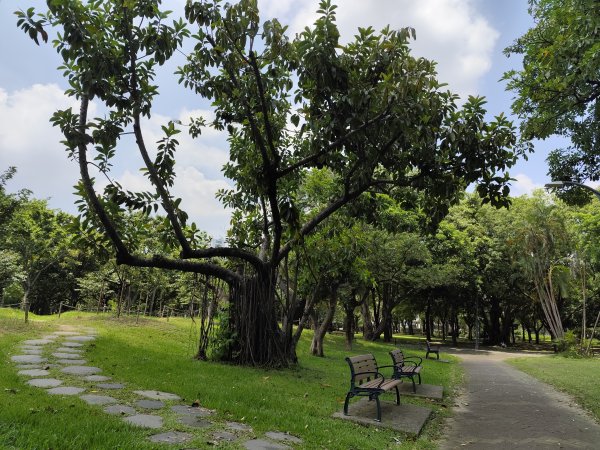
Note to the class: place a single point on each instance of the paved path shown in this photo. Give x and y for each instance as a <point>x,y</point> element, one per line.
<point>502,407</point>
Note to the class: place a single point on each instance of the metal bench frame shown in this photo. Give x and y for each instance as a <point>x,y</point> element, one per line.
<point>406,367</point>
<point>432,348</point>
<point>367,381</point>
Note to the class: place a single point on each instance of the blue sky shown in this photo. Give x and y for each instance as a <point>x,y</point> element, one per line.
<point>466,37</point>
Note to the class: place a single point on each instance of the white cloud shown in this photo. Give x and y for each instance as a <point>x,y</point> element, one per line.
<point>451,32</point>
<point>523,185</point>
<point>197,195</point>
<point>29,142</point>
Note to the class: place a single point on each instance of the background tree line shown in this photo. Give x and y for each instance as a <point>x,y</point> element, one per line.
<point>375,269</point>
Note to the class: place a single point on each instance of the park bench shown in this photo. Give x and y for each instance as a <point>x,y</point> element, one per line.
<point>406,367</point>
<point>432,348</point>
<point>367,381</point>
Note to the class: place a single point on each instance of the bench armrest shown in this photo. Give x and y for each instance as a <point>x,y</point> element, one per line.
<point>414,359</point>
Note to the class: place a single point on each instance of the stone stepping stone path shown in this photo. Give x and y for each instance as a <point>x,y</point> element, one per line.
<point>28,359</point>
<point>66,355</point>
<point>61,352</point>
<point>67,362</point>
<point>96,378</point>
<point>66,390</point>
<point>81,370</point>
<point>150,404</point>
<point>34,372</point>
<point>27,351</point>
<point>171,437</point>
<point>92,399</point>
<point>157,395</point>
<point>120,409</point>
<point>194,422</point>
<point>262,444</point>
<point>145,420</point>
<point>45,382</point>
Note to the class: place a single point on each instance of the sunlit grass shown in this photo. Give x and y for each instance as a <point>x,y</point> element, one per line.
<point>158,354</point>
<point>577,377</point>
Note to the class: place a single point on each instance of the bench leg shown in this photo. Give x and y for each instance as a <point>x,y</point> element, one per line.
<point>437,354</point>
<point>397,396</point>
<point>348,396</point>
<point>378,409</point>
<point>419,378</point>
<point>414,386</point>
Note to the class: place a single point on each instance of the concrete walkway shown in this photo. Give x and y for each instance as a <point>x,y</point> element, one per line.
<point>502,407</point>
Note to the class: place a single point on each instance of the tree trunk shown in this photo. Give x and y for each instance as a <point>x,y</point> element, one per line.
<point>256,338</point>
<point>349,323</point>
<point>427,322</point>
<point>316,347</point>
<point>367,320</point>
<point>495,335</point>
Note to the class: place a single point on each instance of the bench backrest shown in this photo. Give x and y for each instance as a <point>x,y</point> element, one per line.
<point>362,368</point>
<point>397,357</point>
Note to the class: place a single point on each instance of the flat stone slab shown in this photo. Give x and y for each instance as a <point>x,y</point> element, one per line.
<point>80,338</point>
<point>62,355</point>
<point>423,390</point>
<point>28,359</point>
<point>150,404</point>
<point>171,437</point>
<point>114,386</point>
<point>92,399</point>
<point>70,350</point>
<point>28,366</point>
<point>34,372</point>
<point>404,418</point>
<point>49,337</point>
<point>45,382</point>
<point>279,436</point>
<point>120,409</point>
<point>37,342</point>
<point>65,390</point>
<point>81,370</point>
<point>66,333</point>
<point>96,378</point>
<point>75,362</point>
<point>224,436</point>
<point>195,422</point>
<point>31,351</point>
<point>192,410</point>
<point>236,426</point>
<point>261,444</point>
<point>72,344</point>
<point>157,395</point>
<point>145,420</point>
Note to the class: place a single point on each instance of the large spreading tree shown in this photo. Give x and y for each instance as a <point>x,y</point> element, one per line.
<point>558,88</point>
<point>368,111</point>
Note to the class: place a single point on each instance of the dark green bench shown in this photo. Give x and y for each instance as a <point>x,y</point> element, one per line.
<point>432,348</point>
<point>367,381</point>
<point>406,367</point>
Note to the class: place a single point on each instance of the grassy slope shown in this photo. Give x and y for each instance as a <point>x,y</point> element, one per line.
<point>156,354</point>
<point>577,377</point>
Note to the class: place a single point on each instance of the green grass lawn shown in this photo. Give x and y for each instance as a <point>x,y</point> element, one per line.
<point>156,354</point>
<point>577,377</point>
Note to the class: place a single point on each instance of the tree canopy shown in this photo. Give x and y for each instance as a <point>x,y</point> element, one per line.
<point>558,88</point>
<point>368,111</point>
